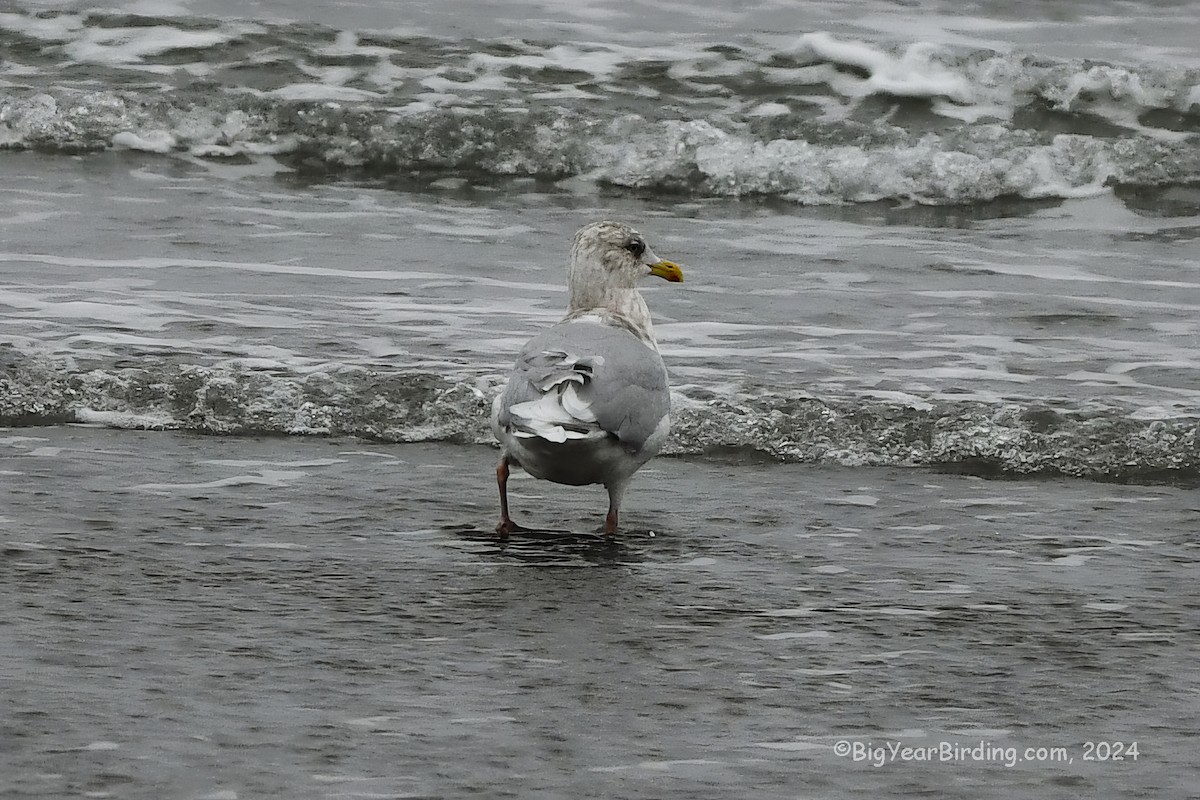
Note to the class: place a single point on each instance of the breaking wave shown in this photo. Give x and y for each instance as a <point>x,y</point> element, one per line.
<point>822,121</point>
<point>997,440</point>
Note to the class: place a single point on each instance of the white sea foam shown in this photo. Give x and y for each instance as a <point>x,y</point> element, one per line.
<point>950,588</point>
<point>897,611</point>
<point>790,635</point>
<point>788,612</point>
<point>1073,560</point>
<point>223,794</point>
<point>659,766</point>
<point>151,142</point>
<point>101,746</point>
<point>865,500</point>
<point>265,477</point>
<point>128,45</point>
<point>56,28</point>
<point>267,545</point>
<point>126,419</point>
<point>312,92</point>
<point>913,74</point>
<point>317,462</point>
<point>976,502</point>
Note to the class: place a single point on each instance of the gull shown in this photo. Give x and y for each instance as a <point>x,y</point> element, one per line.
<point>588,401</point>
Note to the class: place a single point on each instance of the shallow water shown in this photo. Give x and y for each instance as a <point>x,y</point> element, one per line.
<point>1062,304</point>
<point>920,245</point>
<point>187,616</point>
<point>1020,339</point>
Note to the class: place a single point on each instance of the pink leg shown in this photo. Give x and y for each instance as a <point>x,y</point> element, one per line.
<point>610,522</point>
<point>615,492</point>
<point>506,525</point>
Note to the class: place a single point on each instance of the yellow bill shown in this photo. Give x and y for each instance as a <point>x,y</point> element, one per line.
<point>667,270</point>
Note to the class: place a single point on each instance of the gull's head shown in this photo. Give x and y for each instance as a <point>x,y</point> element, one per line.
<point>614,255</point>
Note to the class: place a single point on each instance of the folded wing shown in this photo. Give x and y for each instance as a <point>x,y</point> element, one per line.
<point>586,380</point>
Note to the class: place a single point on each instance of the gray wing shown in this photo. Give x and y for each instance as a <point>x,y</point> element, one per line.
<point>583,380</point>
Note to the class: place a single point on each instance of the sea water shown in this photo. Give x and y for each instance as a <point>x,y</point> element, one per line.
<point>265,265</point>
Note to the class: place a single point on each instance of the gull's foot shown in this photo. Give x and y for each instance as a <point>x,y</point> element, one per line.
<point>506,526</point>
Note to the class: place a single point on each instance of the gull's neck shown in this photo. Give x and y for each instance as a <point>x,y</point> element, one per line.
<point>603,290</point>
<point>623,306</point>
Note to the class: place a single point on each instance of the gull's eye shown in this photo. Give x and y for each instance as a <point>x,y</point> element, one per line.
<point>636,246</point>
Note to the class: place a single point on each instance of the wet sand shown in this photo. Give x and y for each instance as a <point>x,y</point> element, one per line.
<point>189,616</point>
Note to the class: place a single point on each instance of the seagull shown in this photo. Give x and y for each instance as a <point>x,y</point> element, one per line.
<point>588,401</point>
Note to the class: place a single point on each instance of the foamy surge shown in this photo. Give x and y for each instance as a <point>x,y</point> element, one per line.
<point>824,120</point>
<point>1012,440</point>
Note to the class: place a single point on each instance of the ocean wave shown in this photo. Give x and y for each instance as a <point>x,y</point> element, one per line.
<point>1008,440</point>
<point>823,121</point>
<point>976,164</point>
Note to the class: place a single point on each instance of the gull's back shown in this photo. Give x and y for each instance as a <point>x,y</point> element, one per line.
<point>581,388</point>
